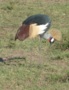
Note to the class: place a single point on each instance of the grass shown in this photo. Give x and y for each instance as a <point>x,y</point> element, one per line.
<point>22,65</point>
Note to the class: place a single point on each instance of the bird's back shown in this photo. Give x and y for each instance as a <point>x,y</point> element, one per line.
<point>39,19</point>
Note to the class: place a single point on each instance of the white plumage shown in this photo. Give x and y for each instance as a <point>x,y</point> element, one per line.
<point>42,28</point>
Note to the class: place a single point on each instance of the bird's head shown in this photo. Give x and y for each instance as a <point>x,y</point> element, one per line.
<point>51,40</point>
<point>55,35</point>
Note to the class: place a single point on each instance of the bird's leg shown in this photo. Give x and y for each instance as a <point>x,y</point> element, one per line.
<point>40,51</point>
<point>40,43</point>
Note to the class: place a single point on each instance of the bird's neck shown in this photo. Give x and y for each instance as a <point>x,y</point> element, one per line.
<point>46,35</point>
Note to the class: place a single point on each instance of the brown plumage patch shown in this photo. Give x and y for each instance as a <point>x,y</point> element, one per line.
<point>56,34</point>
<point>22,33</point>
<point>26,31</point>
<point>33,30</point>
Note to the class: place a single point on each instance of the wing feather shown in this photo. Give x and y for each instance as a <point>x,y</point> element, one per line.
<point>36,30</point>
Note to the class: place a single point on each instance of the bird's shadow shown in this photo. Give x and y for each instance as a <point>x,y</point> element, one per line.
<point>1,59</point>
<point>11,59</point>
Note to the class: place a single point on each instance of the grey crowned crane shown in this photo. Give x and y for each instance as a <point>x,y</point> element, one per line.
<point>37,25</point>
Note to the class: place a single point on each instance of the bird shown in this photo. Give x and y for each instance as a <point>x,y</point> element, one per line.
<point>37,25</point>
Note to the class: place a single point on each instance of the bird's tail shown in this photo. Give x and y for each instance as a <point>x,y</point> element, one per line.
<point>22,33</point>
<point>15,37</point>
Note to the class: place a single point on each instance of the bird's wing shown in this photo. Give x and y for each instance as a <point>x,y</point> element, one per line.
<point>35,29</point>
<point>42,28</point>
